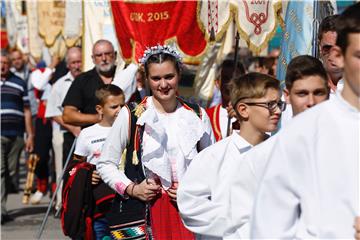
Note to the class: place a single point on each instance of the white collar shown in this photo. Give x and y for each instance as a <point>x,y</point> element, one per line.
<point>240,142</point>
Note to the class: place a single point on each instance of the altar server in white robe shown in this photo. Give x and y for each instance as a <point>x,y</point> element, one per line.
<point>203,192</point>
<point>310,187</point>
<point>306,86</point>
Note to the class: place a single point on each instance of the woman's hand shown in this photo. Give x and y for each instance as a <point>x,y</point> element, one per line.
<point>145,191</point>
<point>172,192</point>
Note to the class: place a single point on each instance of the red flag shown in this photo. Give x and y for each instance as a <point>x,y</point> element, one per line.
<point>140,25</point>
<point>4,39</point>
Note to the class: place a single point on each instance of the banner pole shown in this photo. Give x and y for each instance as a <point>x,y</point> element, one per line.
<point>236,59</point>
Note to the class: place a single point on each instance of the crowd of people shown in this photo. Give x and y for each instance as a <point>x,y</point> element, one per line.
<point>263,162</point>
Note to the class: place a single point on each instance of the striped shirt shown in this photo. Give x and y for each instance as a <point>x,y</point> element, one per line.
<point>14,97</point>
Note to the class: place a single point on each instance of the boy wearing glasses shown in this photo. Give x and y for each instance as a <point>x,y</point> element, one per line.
<point>203,194</point>
<point>310,186</point>
<point>306,86</point>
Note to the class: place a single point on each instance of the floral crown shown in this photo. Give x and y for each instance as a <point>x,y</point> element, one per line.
<point>160,49</point>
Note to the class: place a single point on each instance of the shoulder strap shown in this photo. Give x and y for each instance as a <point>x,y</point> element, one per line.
<point>192,106</point>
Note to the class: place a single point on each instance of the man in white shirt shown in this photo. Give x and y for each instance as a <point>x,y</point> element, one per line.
<point>306,86</point>
<point>54,110</point>
<point>311,182</point>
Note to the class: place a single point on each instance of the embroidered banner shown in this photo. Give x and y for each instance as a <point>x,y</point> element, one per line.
<point>140,24</point>
<point>73,22</point>
<point>16,26</point>
<point>51,16</point>
<point>256,20</point>
<point>297,36</point>
<point>36,43</point>
<point>215,17</point>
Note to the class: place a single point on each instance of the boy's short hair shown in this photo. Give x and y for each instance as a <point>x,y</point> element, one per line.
<point>304,66</point>
<point>251,85</point>
<point>348,22</point>
<point>104,91</point>
<point>328,24</point>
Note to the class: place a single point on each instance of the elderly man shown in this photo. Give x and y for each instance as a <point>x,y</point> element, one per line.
<point>15,119</point>
<point>79,103</point>
<point>22,70</point>
<point>54,110</point>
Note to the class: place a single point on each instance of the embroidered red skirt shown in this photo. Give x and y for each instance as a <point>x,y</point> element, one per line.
<point>166,222</point>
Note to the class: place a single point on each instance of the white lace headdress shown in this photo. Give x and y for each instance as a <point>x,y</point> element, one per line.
<point>160,49</point>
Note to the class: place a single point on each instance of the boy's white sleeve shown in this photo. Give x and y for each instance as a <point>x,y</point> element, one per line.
<point>81,147</point>
<point>110,158</point>
<point>200,213</point>
<point>242,194</point>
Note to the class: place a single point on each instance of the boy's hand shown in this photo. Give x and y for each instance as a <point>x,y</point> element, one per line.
<point>145,191</point>
<point>95,177</point>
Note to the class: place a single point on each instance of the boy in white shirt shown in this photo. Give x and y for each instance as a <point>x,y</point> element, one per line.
<point>310,186</point>
<point>91,139</point>
<point>203,194</point>
<point>306,86</point>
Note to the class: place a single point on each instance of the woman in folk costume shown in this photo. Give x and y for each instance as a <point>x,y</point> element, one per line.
<point>148,151</point>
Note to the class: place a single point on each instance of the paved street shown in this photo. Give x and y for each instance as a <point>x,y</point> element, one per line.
<point>28,218</point>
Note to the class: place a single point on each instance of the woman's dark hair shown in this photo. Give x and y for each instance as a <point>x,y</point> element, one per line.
<point>160,58</point>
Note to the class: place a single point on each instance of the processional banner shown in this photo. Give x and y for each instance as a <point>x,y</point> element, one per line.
<point>73,22</point>
<point>297,37</point>
<point>98,24</point>
<point>36,43</point>
<point>256,20</point>
<point>141,24</point>
<point>51,15</point>
<point>16,26</point>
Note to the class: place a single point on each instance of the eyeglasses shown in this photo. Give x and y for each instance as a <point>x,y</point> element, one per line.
<point>271,106</point>
<point>106,54</point>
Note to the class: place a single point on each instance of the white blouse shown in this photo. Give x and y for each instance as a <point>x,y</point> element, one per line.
<point>166,137</point>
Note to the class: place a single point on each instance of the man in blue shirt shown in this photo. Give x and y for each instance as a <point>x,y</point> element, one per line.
<point>15,120</point>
